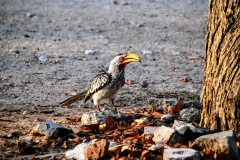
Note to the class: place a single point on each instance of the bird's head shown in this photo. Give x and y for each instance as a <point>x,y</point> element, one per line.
<point>122,60</point>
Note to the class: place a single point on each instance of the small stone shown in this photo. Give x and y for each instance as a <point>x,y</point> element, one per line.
<point>175,52</point>
<point>155,147</point>
<point>15,134</point>
<point>125,3</point>
<point>25,144</point>
<point>169,103</point>
<point>98,150</point>
<point>183,79</point>
<point>143,84</point>
<point>222,143</point>
<point>73,92</point>
<point>190,114</point>
<point>190,58</point>
<point>52,129</point>
<point>30,15</point>
<point>147,52</point>
<point>78,152</point>
<point>43,59</point>
<point>25,112</point>
<point>90,52</point>
<point>180,154</point>
<point>167,118</point>
<point>142,120</point>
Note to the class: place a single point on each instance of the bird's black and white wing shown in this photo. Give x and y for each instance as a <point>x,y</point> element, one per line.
<point>98,83</point>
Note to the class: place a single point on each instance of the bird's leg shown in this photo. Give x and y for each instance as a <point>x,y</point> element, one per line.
<point>112,102</point>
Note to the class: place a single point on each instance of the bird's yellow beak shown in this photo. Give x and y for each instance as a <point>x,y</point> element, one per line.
<point>131,57</point>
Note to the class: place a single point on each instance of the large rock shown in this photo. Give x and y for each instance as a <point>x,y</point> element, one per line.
<point>52,129</point>
<point>166,134</point>
<point>182,127</point>
<point>180,154</point>
<point>222,143</point>
<point>190,114</point>
<point>78,152</point>
<point>100,117</point>
<point>98,150</point>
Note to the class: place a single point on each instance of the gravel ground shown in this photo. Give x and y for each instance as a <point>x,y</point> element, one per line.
<point>61,30</point>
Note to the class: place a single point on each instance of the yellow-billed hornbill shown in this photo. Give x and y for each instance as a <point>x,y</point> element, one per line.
<point>105,85</point>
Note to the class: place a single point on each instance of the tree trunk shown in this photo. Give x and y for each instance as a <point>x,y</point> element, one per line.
<point>221,88</point>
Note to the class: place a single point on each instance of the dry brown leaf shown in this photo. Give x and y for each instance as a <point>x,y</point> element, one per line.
<point>53,144</point>
<point>193,58</point>
<point>87,128</point>
<point>183,79</point>
<point>178,106</point>
<point>73,119</point>
<point>6,120</point>
<point>64,145</point>
<point>123,128</point>
<point>177,145</point>
<point>34,132</point>
<point>175,69</point>
<point>124,158</point>
<point>209,152</point>
<point>144,155</point>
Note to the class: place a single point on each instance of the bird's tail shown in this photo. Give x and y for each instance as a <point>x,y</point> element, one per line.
<point>73,99</point>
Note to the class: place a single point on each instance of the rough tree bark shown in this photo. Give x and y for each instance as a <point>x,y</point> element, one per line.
<point>221,88</point>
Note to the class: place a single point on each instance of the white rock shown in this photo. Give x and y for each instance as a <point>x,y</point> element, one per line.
<point>180,126</point>
<point>147,52</point>
<point>90,52</point>
<point>163,134</point>
<point>221,142</point>
<point>100,117</point>
<point>150,129</point>
<point>180,154</point>
<point>78,152</point>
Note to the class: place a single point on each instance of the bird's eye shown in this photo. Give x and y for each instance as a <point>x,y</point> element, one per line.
<point>121,59</point>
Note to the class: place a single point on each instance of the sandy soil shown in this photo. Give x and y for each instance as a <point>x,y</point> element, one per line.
<point>62,30</point>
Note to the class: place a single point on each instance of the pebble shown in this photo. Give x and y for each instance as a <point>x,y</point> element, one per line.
<point>175,52</point>
<point>143,84</point>
<point>90,52</point>
<point>14,134</point>
<point>147,52</point>
<point>43,59</point>
<point>30,15</point>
